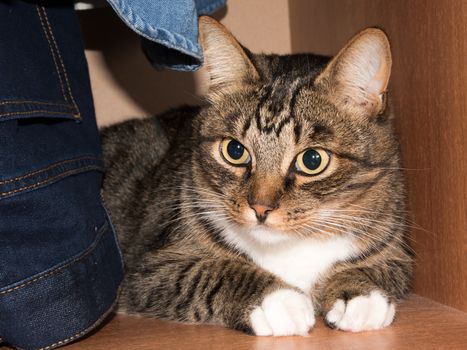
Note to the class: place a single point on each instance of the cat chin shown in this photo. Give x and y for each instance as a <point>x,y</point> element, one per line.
<point>256,235</point>
<point>266,235</point>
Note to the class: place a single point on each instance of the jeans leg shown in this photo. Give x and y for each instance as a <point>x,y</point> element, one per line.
<point>60,266</point>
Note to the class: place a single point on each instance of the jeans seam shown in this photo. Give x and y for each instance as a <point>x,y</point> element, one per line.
<point>65,74</point>
<point>37,111</point>
<point>52,52</point>
<point>34,102</point>
<point>83,255</point>
<point>3,182</point>
<point>59,176</point>
<point>56,56</point>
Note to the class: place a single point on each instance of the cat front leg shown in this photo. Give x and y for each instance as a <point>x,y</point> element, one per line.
<point>364,298</point>
<point>230,293</point>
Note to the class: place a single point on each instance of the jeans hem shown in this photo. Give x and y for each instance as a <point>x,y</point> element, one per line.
<point>162,36</point>
<point>78,335</point>
<point>58,268</point>
<point>85,283</point>
<point>17,108</point>
<point>50,174</point>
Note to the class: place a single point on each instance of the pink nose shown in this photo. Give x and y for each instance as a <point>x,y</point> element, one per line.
<point>261,211</point>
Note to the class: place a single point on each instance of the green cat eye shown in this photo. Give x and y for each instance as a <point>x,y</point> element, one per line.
<point>234,152</point>
<point>313,161</point>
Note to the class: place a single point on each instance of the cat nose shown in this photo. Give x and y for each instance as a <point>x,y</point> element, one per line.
<point>261,211</point>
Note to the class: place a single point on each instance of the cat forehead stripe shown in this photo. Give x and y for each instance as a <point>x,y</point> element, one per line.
<point>276,105</point>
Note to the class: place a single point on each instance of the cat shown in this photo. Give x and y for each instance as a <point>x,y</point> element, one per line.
<point>278,200</point>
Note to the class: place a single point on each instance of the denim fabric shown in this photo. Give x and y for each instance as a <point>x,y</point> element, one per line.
<point>60,266</point>
<point>170,28</point>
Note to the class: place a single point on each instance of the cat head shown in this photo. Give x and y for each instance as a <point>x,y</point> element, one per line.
<point>296,145</point>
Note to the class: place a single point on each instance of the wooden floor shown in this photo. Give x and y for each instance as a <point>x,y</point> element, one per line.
<point>420,324</point>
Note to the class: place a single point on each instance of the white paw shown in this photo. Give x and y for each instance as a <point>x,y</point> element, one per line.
<point>362,313</point>
<point>283,312</point>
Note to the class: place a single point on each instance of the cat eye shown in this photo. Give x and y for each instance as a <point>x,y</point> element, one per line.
<point>313,161</point>
<point>234,152</point>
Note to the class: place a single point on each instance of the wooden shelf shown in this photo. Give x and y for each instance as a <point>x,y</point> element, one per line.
<point>420,324</point>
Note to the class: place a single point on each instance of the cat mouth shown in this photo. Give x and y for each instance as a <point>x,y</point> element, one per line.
<point>261,224</point>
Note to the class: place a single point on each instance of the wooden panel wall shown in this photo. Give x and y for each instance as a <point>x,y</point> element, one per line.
<point>429,93</point>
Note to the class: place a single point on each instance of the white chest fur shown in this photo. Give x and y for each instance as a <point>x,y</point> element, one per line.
<point>299,262</point>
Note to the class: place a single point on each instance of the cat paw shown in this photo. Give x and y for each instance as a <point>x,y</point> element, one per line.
<point>362,313</point>
<point>283,312</point>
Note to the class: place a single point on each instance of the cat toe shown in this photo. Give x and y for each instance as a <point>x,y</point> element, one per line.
<point>336,313</point>
<point>362,313</point>
<point>260,323</point>
<point>283,312</point>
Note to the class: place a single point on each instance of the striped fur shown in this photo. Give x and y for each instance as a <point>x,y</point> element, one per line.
<point>176,204</point>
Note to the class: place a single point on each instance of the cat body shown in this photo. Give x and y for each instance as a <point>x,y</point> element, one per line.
<point>278,200</point>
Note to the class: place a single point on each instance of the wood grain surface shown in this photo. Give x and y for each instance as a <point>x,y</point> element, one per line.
<point>428,90</point>
<point>420,324</point>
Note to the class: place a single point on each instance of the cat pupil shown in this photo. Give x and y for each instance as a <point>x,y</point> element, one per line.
<point>235,149</point>
<point>312,159</point>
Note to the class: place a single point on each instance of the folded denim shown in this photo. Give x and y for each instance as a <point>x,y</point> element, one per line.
<point>60,266</point>
<point>169,28</point>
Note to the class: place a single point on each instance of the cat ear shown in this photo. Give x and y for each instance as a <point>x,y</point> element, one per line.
<point>226,61</point>
<point>357,77</point>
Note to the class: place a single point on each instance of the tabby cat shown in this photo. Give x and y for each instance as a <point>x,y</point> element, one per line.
<point>279,200</point>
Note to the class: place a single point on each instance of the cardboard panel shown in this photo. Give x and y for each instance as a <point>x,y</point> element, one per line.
<point>126,86</point>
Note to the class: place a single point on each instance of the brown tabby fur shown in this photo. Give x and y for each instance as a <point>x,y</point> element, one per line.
<point>167,190</point>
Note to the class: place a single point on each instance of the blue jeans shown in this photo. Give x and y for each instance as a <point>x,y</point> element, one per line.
<point>169,29</point>
<point>60,266</point>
